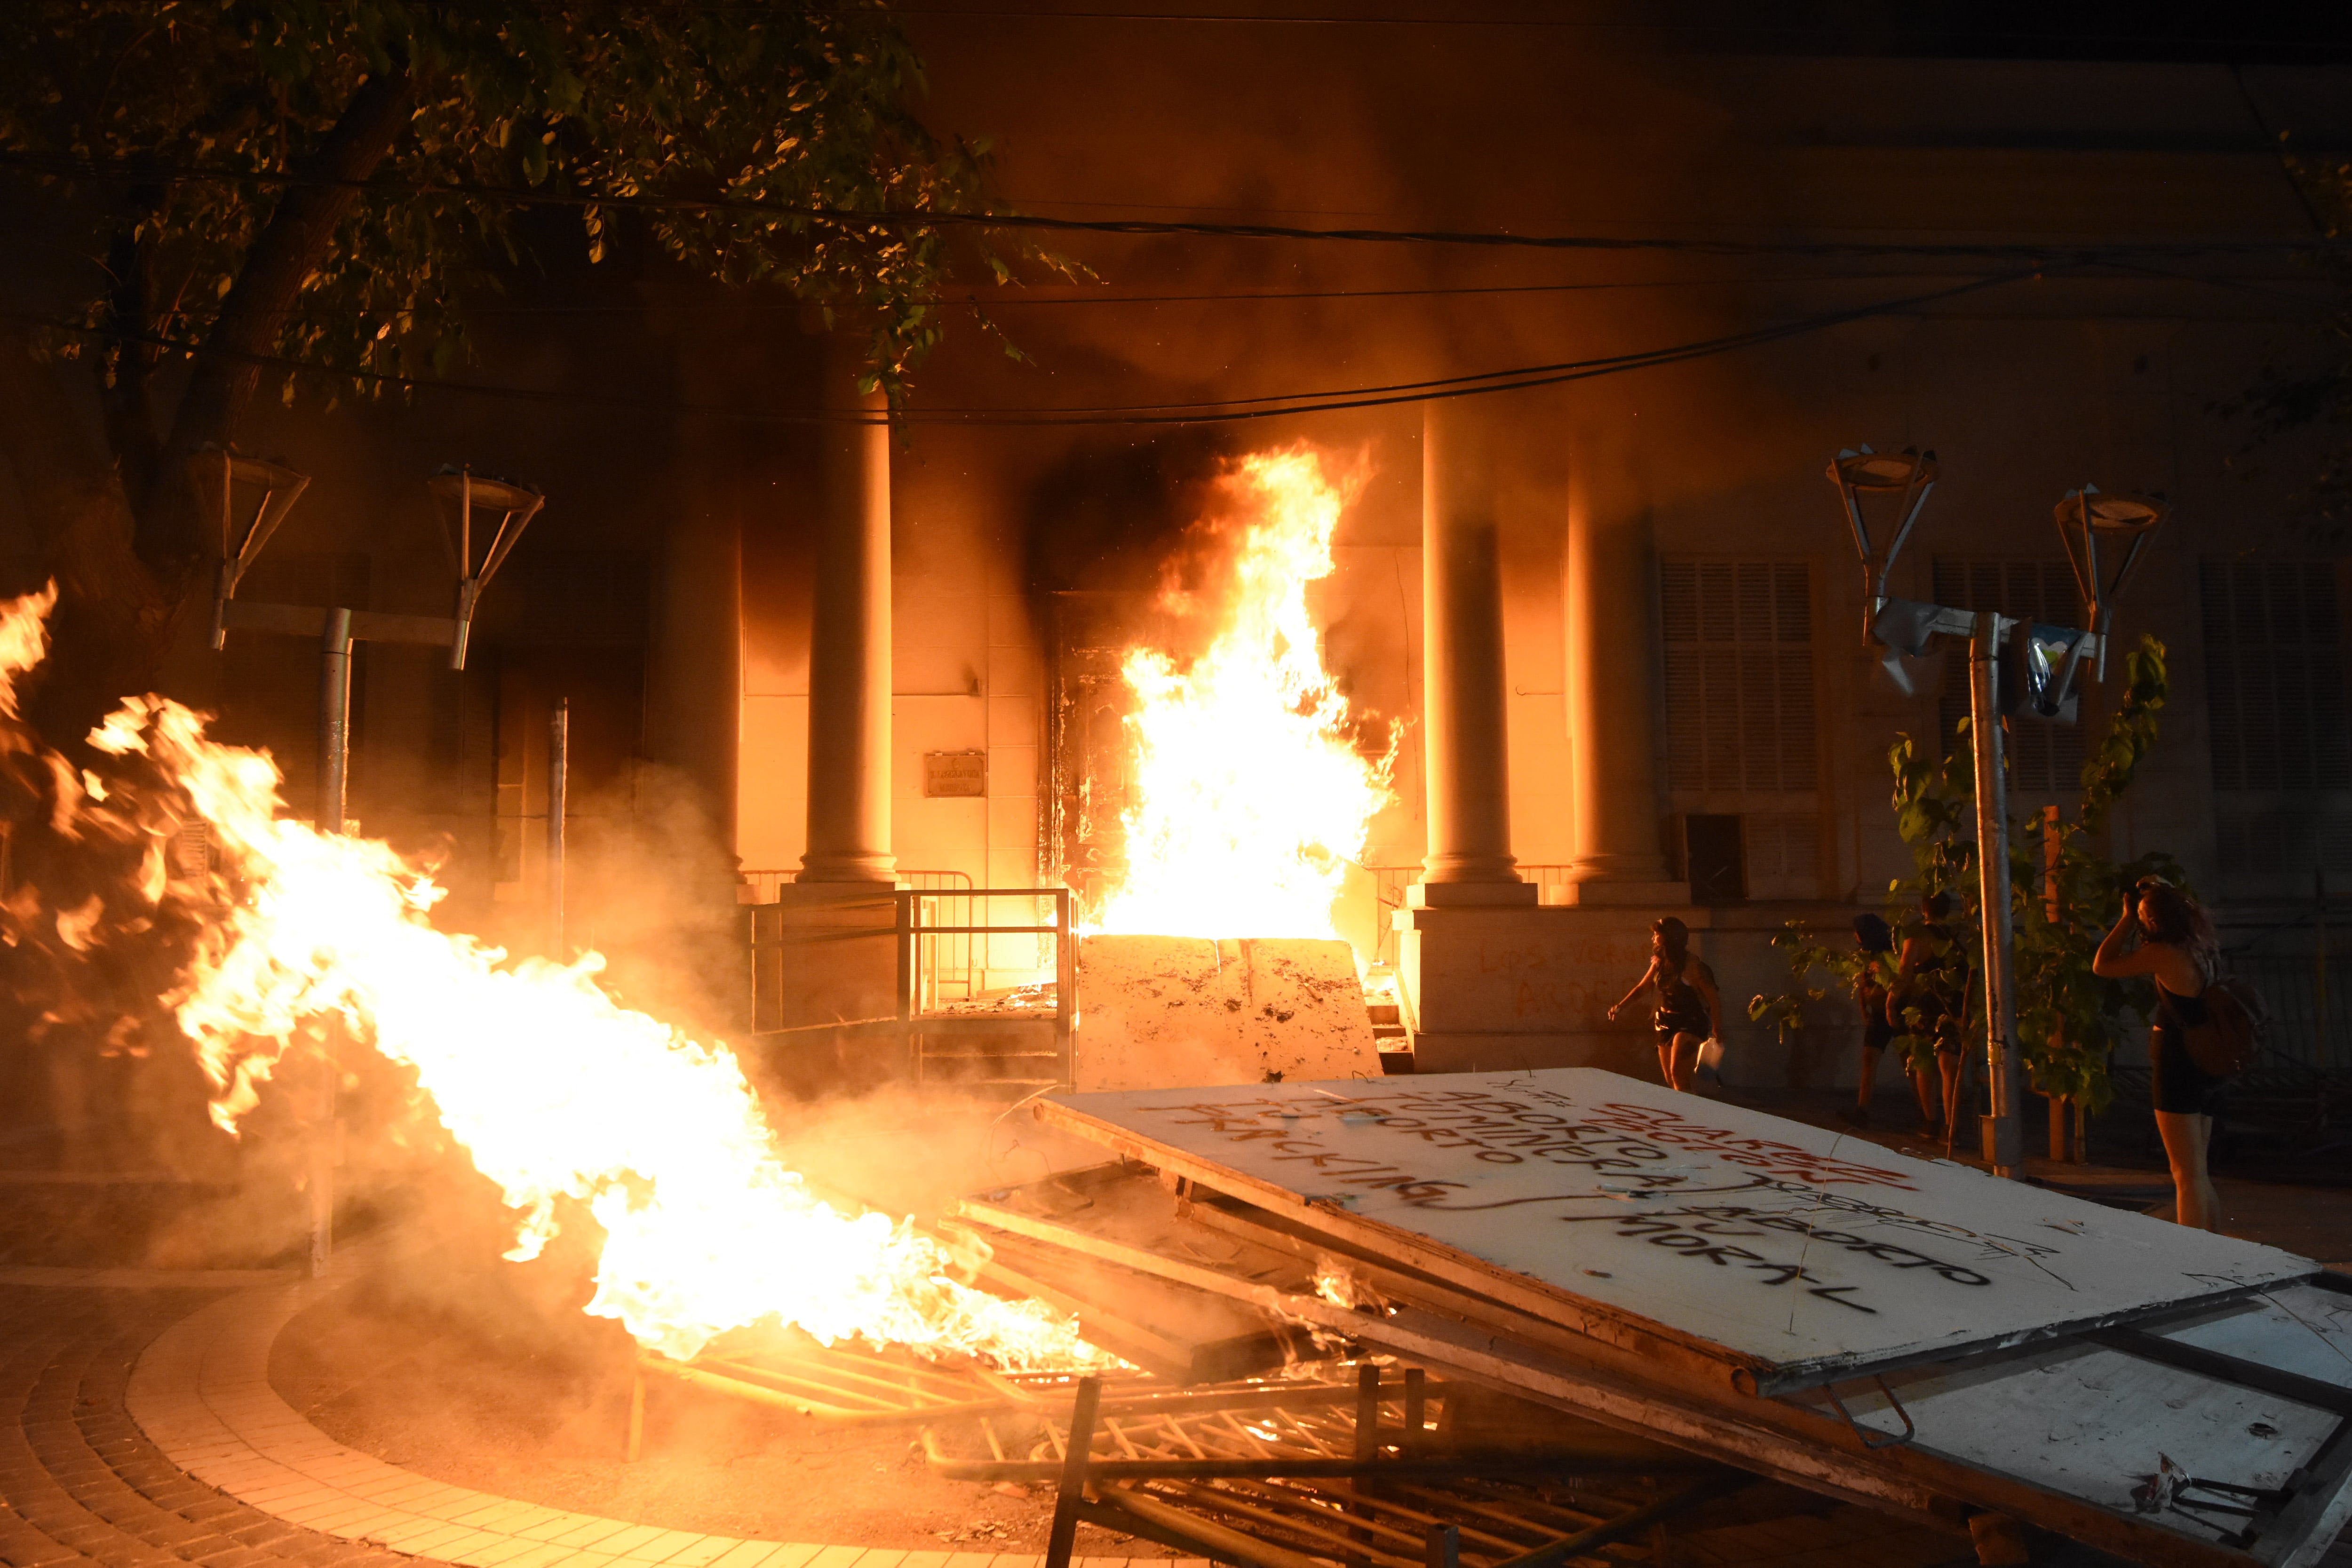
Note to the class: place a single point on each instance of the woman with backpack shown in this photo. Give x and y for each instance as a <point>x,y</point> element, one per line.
<point>2164,935</point>
<point>1690,1009</point>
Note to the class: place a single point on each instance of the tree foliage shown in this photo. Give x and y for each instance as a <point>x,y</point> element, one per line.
<point>2069,1021</point>
<point>333,181</point>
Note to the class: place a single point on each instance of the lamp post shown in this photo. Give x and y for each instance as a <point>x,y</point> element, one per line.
<point>2044,661</point>
<point>218,475</point>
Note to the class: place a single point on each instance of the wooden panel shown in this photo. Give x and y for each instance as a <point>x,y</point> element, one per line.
<point>1572,1191</point>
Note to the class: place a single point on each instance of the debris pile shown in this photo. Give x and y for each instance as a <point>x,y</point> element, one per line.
<point>1514,1321</point>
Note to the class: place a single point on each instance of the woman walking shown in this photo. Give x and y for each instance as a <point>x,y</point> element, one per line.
<point>1872,987</point>
<point>2164,935</point>
<point>1690,1010</point>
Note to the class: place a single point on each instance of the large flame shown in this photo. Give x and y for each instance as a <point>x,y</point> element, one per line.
<point>556,1092</point>
<point>1251,792</point>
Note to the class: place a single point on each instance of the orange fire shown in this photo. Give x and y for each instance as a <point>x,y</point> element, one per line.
<point>1252,795</point>
<point>556,1092</point>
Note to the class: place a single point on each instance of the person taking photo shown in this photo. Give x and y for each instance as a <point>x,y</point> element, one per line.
<point>2165,935</point>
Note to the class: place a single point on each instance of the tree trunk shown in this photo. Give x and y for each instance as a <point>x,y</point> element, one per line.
<point>171,536</point>
<point>112,617</point>
<point>128,562</point>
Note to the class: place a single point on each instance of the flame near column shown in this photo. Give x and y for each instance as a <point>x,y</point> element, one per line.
<point>1251,792</point>
<point>556,1092</point>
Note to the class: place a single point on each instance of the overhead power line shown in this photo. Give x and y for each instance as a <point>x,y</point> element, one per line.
<point>1272,405</point>
<point>2052,251</point>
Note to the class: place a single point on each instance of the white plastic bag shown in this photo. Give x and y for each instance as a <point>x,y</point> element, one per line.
<point>1710,1060</point>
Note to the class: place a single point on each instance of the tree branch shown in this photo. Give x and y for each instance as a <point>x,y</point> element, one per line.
<point>266,289</point>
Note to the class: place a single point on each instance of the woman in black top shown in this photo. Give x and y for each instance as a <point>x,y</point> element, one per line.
<point>2176,947</point>
<point>1690,1010</point>
<point>1873,984</point>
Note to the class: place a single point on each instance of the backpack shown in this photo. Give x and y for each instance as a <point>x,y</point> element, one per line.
<point>2225,1043</point>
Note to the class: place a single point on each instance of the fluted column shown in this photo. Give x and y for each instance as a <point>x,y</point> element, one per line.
<point>850,642</point>
<point>1464,725</point>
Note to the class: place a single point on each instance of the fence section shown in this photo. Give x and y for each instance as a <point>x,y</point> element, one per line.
<point>953,1027</point>
<point>2309,997</point>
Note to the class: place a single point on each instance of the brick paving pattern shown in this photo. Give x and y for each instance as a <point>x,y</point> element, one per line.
<point>80,1483</point>
<point>85,1479</point>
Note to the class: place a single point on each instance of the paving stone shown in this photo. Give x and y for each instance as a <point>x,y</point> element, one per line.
<point>84,1485</point>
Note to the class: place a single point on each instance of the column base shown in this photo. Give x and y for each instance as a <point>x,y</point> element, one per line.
<point>1470,895</point>
<point>1508,986</point>
<point>1612,893</point>
<point>880,870</point>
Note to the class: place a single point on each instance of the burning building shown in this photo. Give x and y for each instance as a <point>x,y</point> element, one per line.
<point>1583,650</point>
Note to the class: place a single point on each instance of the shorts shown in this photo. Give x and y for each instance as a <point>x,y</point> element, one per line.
<point>1877,1034</point>
<point>2177,1084</point>
<point>1669,1025</point>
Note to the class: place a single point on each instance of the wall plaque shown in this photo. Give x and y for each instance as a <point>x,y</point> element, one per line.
<point>951,773</point>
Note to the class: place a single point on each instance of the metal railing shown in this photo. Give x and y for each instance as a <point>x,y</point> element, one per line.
<point>2309,999</point>
<point>974,1038</point>
<point>764,885</point>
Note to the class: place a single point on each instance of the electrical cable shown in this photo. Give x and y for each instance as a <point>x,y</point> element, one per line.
<point>1477,384</point>
<point>1162,227</point>
<point>1541,374</point>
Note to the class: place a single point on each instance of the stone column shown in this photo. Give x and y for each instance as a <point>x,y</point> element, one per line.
<point>1463,696</point>
<point>1612,767</point>
<point>850,642</point>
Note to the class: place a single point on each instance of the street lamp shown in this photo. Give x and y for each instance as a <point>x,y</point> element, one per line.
<point>1858,471</point>
<point>2046,661</point>
<point>2086,519</point>
<point>218,475</point>
<point>464,496</point>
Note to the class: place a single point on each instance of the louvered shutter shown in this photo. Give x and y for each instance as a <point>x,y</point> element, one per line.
<point>2274,675</point>
<point>1739,677</point>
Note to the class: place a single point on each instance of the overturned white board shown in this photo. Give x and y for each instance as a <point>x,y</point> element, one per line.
<point>2205,1458</point>
<point>1156,1011</point>
<point>1789,1247</point>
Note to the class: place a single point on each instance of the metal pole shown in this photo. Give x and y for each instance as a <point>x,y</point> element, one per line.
<point>2052,844</point>
<point>334,773</point>
<point>559,765</point>
<point>2004,1133</point>
<point>334,719</point>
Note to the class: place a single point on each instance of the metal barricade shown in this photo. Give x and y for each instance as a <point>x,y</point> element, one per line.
<point>953,1026</point>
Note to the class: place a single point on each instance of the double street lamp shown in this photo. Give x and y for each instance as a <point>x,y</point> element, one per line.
<point>2105,537</point>
<point>476,510</point>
